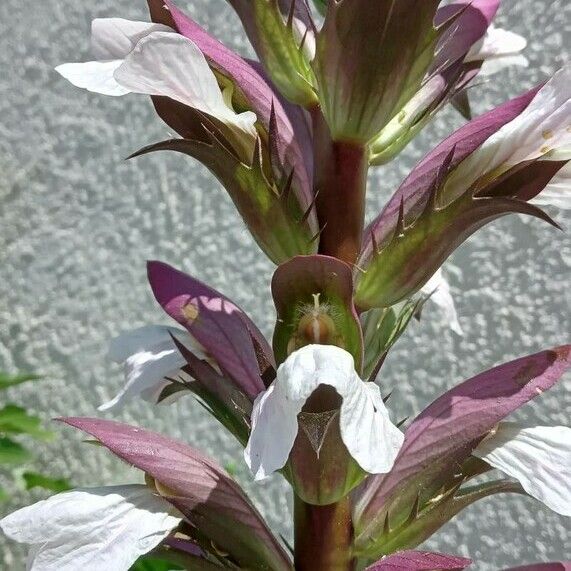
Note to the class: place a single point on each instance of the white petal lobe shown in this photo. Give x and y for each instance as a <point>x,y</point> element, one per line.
<point>538,457</point>
<point>173,66</point>
<point>366,429</point>
<point>95,76</point>
<point>439,290</point>
<point>497,42</point>
<point>542,131</point>
<point>149,356</point>
<point>92,528</point>
<point>115,38</point>
<point>558,191</point>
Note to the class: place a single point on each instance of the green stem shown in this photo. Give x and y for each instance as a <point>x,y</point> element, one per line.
<point>340,182</point>
<point>323,537</point>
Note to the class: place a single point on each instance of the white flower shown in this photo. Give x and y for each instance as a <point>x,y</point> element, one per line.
<point>92,528</point>
<point>439,290</point>
<point>150,357</point>
<point>538,457</point>
<point>558,191</point>
<point>112,39</point>
<point>541,132</point>
<point>152,59</point>
<point>366,429</point>
<point>498,49</point>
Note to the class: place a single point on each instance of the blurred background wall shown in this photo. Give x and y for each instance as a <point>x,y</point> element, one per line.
<point>77,223</point>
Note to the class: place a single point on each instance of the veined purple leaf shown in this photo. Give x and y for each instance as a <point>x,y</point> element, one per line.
<point>198,487</point>
<point>553,566</point>
<point>365,78</point>
<point>443,436</point>
<point>220,326</point>
<point>420,561</point>
<point>252,92</point>
<point>313,297</point>
<point>421,225</point>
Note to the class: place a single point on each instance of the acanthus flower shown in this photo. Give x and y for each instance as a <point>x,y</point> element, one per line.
<point>152,362</point>
<point>92,528</point>
<point>366,429</point>
<point>539,457</point>
<point>491,167</point>
<point>152,59</point>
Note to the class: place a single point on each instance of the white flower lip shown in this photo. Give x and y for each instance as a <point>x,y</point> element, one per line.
<point>168,64</point>
<point>112,39</point>
<point>541,132</point>
<point>497,50</point>
<point>366,428</point>
<point>538,457</point>
<point>439,290</point>
<point>150,357</point>
<point>558,191</point>
<point>92,528</point>
<point>153,59</point>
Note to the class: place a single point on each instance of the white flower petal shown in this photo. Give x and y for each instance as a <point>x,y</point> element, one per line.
<point>149,355</point>
<point>112,39</point>
<point>173,66</point>
<point>494,65</point>
<point>439,290</point>
<point>497,42</point>
<point>366,429</point>
<point>538,457</point>
<point>558,191</point>
<point>95,76</point>
<point>542,130</point>
<point>92,528</point>
<point>115,38</point>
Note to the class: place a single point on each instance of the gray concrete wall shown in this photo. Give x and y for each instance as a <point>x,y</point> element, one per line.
<point>77,224</point>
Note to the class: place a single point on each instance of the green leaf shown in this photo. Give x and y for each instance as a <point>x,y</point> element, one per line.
<point>15,420</point>
<point>3,495</point>
<point>153,564</point>
<point>12,453</point>
<point>34,480</point>
<point>7,380</point>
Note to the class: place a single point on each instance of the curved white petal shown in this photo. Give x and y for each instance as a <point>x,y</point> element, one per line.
<point>497,42</point>
<point>149,356</point>
<point>95,76</point>
<point>496,64</point>
<point>366,429</point>
<point>541,131</point>
<point>115,38</point>
<point>538,457</point>
<point>439,290</point>
<point>92,528</point>
<point>558,191</point>
<point>173,66</point>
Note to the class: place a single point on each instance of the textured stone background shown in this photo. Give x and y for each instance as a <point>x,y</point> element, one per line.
<point>77,224</point>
